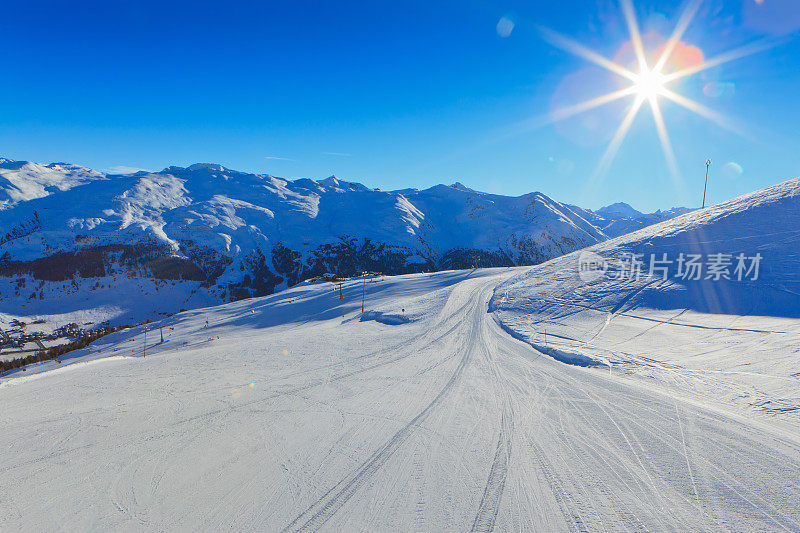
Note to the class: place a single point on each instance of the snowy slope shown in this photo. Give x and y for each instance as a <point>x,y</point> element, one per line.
<point>206,234</point>
<point>730,341</point>
<point>296,412</point>
<point>21,181</point>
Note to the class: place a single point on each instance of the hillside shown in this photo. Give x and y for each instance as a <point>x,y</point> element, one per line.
<point>77,245</point>
<point>723,327</point>
<point>121,247</point>
<point>297,412</point>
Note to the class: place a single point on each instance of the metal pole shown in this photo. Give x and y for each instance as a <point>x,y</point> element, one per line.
<point>708,164</point>
<point>144,350</point>
<point>363,292</point>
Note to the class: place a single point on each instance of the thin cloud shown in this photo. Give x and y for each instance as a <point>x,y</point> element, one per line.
<point>340,154</point>
<point>279,158</point>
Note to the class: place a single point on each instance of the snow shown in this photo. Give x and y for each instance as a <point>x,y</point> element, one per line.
<point>23,180</point>
<point>729,342</point>
<point>204,196</point>
<point>521,398</point>
<point>620,218</point>
<point>618,210</point>
<point>296,412</point>
<point>206,212</point>
<point>116,299</point>
<point>217,220</point>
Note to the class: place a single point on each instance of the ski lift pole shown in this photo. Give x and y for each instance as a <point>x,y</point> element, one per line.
<point>708,164</point>
<point>363,291</point>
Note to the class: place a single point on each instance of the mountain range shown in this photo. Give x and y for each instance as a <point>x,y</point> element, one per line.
<point>204,234</point>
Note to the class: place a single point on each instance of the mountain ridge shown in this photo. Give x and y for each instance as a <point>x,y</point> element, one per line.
<point>207,234</point>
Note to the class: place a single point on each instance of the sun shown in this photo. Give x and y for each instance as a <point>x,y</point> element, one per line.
<point>648,84</point>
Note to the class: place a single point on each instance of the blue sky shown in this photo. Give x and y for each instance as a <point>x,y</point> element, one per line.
<point>397,94</point>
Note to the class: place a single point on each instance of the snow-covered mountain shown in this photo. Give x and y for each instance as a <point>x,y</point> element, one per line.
<point>620,218</point>
<point>204,234</point>
<point>617,211</point>
<point>22,180</point>
<point>78,239</point>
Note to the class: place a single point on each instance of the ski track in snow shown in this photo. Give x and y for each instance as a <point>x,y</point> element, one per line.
<point>446,422</point>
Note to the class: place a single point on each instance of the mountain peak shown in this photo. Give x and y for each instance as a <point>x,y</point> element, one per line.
<point>618,210</point>
<point>206,166</point>
<point>461,187</point>
<point>332,181</point>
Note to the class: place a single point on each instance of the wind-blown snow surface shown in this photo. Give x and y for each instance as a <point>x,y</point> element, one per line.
<point>731,342</point>
<point>296,412</point>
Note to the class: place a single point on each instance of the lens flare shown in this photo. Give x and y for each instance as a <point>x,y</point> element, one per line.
<point>674,60</point>
<point>649,84</point>
<point>732,169</point>
<point>504,27</point>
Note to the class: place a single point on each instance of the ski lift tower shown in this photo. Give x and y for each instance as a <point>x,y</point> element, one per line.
<point>708,164</point>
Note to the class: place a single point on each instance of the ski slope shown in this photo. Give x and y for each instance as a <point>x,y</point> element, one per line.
<point>295,412</point>
<point>730,342</point>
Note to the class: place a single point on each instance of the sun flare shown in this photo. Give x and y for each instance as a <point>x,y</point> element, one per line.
<point>649,84</point>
